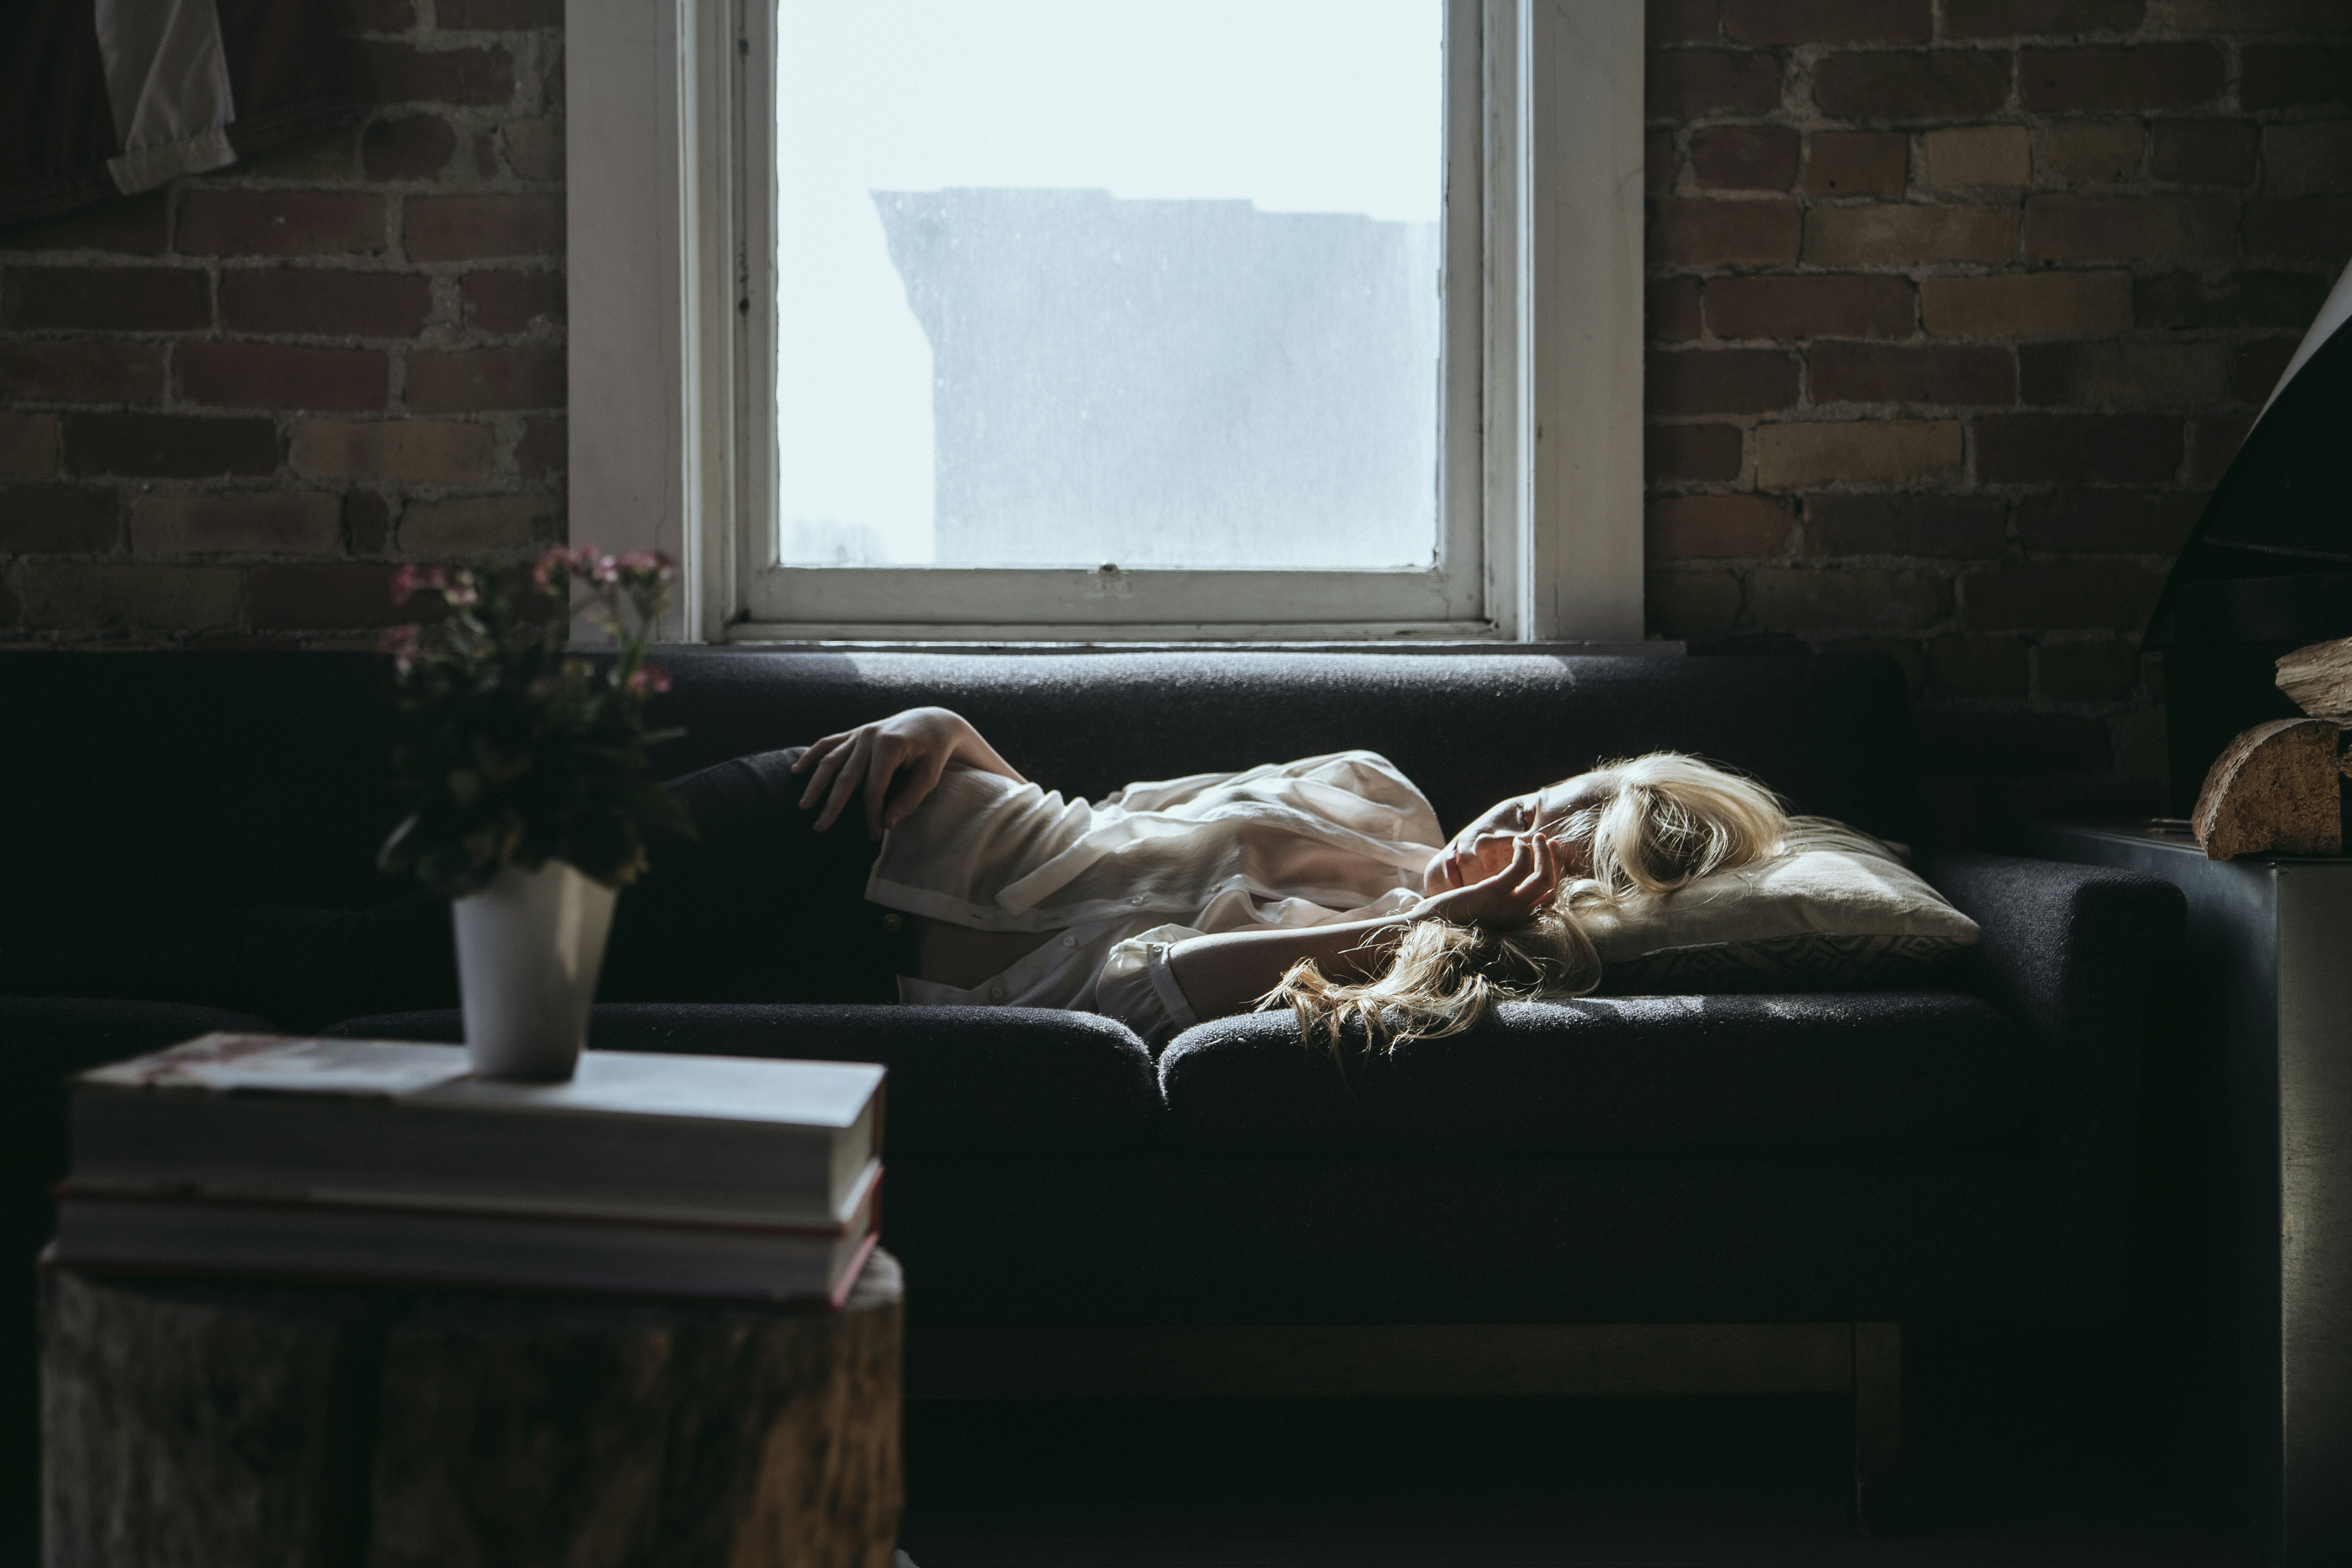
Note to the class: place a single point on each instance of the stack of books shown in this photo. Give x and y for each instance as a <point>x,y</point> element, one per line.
<point>383,1161</point>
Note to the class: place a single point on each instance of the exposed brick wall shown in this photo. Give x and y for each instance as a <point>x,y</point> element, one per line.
<point>1958,309</point>
<point>228,406</point>
<point>1951,327</point>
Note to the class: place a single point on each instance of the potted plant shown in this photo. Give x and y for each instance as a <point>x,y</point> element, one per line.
<point>527,769</point>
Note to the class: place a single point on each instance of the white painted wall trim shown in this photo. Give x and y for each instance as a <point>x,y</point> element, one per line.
<point>660,360</point>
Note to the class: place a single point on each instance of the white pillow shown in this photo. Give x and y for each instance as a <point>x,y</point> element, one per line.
<point>1835,909</point>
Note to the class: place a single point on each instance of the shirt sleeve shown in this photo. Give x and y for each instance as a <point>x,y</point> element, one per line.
<point>1139,989</point>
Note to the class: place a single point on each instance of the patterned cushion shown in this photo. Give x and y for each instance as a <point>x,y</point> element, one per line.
<point>1835,910</point>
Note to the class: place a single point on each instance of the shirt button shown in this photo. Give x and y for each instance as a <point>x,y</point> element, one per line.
<point>893,922</point>
<point>1070,941</point>
<point>996,993</point>
<point>1137,899</point>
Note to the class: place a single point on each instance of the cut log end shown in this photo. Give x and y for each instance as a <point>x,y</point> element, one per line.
<point>2319,679</point>
<point>2273,791</point>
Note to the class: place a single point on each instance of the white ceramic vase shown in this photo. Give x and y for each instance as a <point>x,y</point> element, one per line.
<point>528,947</point>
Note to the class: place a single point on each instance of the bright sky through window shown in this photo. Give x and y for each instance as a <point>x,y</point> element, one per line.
<point>1063,283</point>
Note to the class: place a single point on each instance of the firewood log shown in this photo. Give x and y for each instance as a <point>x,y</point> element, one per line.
<point>2272,790</point>
<point>2319,679</point>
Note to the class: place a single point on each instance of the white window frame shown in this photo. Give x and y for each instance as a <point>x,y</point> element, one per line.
<point>671,356</point>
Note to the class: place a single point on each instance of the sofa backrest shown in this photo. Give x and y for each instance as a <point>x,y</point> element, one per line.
<point>135,782</point>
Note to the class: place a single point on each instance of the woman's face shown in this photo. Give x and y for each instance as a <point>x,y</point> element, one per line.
<point>1566,811</point>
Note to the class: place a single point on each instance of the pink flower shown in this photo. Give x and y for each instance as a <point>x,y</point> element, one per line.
<point>650,679</point>
<point>403,585</point>
<point>459,591</point>
<point>606,570</point>
<point>400,642</point>
<point>543,573</point>
<point>410,581</point>
<point>651,565</point>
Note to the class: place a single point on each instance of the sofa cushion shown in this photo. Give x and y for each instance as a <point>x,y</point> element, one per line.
<point>963,1081</point>
<point>1816,1073</point>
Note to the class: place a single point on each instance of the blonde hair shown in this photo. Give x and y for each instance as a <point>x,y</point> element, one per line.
<point>1673,819</point>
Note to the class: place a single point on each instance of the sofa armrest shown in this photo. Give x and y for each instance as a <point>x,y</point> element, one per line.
<point>2074,953</point>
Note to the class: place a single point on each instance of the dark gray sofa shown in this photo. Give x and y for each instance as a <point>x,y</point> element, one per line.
<point>1963,1152</point>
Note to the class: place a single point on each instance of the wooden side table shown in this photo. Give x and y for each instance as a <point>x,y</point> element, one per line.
<point>2263,1001</point>
<point>198,1423</point>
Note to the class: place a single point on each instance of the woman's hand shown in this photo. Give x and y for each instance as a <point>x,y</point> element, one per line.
<point>1514,878</point>
<point>921,741</point>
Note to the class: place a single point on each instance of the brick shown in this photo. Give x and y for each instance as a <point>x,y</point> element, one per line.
<point>1685,85</point>
<point>1978,666</point>
<point>2239,300</point>
<point>2203,152</point>
<point>1658,174</point>
<point>461,228</point>
<point>497,16</point>
<point>1673,308</point>
<point>2060,596</point>
<point>168,446</point>
<point>374,15</point>
<point>438,452</point>
<point>367,522</point>
<point>130,225</point>
<point>416,147</point>
<point>12,614</point>
<point>403,73</point>
<point>1903,651</point>
<point>1969,156</point>
<point>1722,234</point>
<point>281,223</point>
<point>535,147</point>
<point>1719,380</point>
<point>106,298</point>
<point>2247,15</point>
<point>512,302</point>
<point>1900,234</point>
<point>1736,527</point>
<point>280,375</point>
<point>2015,19</point>
<point>2098,152</point>
<point>2062,448</point>
<point>319,595</point>
<point>469,380</point>
<point>1905,87</point>
<point>323,302</point>
<point>2106,522</point>
<point>2027,305</point>
<point>1956,526</point>
<point>323,155</point>
<point>1680,21</point>
<point>543,448</point>
<point>1822,305</point>
<point>1857,163</point>
<point>1939,374</point>
<point>2308,155</point>
<point>2282,76</point>
<point>2013,744</point>
<point>28,446</point>
<point>1744,158</point>
<point>2129,228</point>
<point>1828,21</point>
<point>550,78</point>
<point>1840,598</point>
<point>55,520</point>
<point>2313,228</point>
<point>2213,441</point>
<point>2107,78</point>
<point>2124,374</point>
<point>1856,452</point>
<point>1692,604</point>
<point>105,596</point>
<point>49,371</point>
<point>474,525</point>
<point>1691,452</point>
<point>2088,671</point>
<point>268,523</point>
<point>2256,368</point>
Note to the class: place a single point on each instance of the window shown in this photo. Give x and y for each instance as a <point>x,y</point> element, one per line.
<point>1049,320</point>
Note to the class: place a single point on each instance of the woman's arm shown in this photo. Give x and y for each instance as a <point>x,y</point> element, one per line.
<point>926,741</point>
<point>1229,971</point>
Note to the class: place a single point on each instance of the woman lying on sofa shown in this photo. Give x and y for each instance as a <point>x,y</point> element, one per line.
<point>1325,885</point>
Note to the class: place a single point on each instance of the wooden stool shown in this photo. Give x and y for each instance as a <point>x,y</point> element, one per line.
<point>197,1423</point>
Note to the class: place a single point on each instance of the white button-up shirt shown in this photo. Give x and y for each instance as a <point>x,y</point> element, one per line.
<point>1337,837</point>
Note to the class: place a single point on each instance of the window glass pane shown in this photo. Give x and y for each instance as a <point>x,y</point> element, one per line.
<point>1072,282</point>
